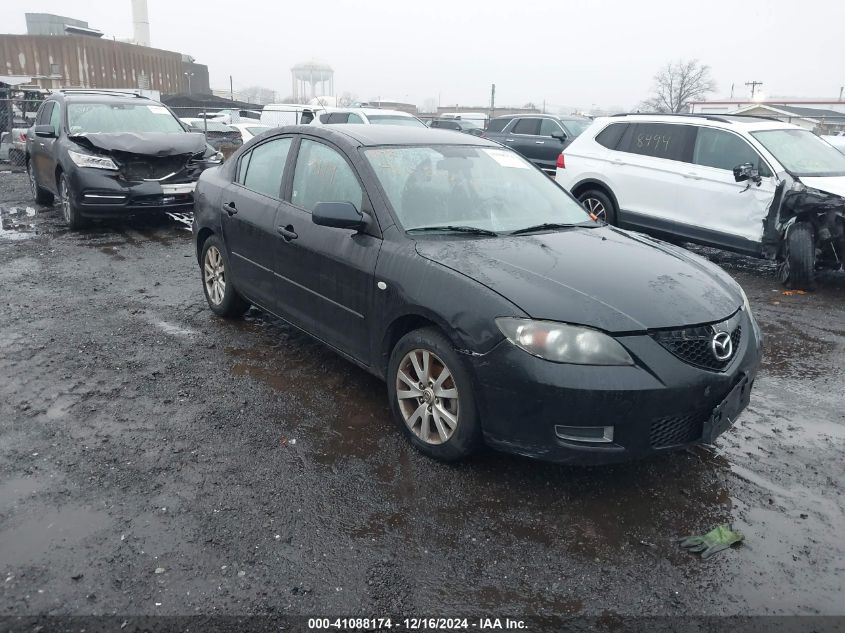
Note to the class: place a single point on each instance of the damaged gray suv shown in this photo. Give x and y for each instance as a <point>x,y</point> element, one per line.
<point>112,154</point>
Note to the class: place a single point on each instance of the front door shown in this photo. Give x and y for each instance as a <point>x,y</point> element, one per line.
<point>327,274</point>
<point>728,213</point>
<point>43,160</point>
<point>249,207</point>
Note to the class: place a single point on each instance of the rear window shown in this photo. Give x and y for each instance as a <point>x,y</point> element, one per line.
<point>609,136</point>
<point>659,140</point>
<point>497,125</point>
<point>527,126</point>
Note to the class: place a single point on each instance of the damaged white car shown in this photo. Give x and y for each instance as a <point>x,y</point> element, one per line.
<point>752,185</point>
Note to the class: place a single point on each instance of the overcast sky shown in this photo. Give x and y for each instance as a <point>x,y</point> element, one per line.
<point>569,52</point>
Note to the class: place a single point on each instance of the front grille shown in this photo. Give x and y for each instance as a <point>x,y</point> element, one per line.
<point>677,430</point>
<point>152,168</point>
<point>693,345</point>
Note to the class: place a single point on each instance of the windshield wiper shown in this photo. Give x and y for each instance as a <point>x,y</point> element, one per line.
<point>548,226</point>
<point>454,229</point>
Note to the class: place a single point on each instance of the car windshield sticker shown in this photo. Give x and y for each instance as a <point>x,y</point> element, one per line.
<point>506,159</point>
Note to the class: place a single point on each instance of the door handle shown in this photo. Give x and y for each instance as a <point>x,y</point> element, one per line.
<point>618,161</point>
<point>693,175</point>
<point>230,208</point>
<point>540,142</point>
<point>508,140</point>
<point>287,232</point>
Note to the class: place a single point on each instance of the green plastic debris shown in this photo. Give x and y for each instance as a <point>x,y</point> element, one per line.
<point>718,539</point>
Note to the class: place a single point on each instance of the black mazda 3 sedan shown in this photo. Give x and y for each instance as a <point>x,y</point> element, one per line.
<point>111,154</point>
<point>485,296</point>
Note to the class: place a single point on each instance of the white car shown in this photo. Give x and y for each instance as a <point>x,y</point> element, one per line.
<point>748,184</point>
<point>367,116</point>
<point>248,129</point>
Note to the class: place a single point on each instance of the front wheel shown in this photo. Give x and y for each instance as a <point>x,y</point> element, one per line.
<point>70,211</point>
<point>431,396</point>
<point>599,205</point>
<point>217,285</point>
<point>798,268</point>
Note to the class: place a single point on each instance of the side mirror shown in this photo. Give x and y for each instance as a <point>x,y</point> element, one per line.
<point>559,135</point>
<point>45,131</point>
<point>746,171</point>
<point>339,215</point>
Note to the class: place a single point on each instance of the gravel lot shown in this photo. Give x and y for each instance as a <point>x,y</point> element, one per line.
<point>156,459</point>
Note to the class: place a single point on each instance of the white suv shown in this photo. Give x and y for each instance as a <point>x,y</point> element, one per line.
<point>748,184</point>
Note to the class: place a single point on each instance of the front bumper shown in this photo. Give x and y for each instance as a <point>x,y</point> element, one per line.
<point>99,194</point>
<point>659,405</point>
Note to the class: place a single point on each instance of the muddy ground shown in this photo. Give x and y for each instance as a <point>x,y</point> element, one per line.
<point>156,459</point>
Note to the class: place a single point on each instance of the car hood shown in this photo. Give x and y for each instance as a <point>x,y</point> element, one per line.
<point>148,144</point>
<point>603,277</point>
<point>828,184</point>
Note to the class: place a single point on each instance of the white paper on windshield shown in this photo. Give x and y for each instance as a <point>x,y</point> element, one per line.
<point>157,109</point>
<point>506,158</point>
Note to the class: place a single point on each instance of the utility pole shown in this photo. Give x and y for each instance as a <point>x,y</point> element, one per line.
<point>753,85</point>
<point>231,89</point>
<point>492,99</point>
<point>840,92</point>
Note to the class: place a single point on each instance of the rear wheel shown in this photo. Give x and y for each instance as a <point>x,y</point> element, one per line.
<point>599,205</point>
<point>70,211</point>
<point>41,196</point>
<point>431,396</point>
<point>219,291</point>
<point>798,268</point>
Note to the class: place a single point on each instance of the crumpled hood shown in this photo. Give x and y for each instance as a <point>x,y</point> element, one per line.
<point>150,144</point>
<point>828,184</point>
<point>602,277</point>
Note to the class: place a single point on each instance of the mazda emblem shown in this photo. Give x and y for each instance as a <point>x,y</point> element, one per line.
<point>722,346</point>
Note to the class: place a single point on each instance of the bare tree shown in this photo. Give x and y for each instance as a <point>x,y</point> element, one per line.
<point>347,99</point>
<point>677,84</point>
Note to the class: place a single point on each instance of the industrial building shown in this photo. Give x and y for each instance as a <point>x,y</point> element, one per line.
<point>60,52</point>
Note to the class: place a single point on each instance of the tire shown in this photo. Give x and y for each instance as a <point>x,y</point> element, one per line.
<point>441,422</point>
<point>599,204</point>
<point>220,292</point>
<point>70,211</point>
<point>41,196</point>
<point>798,268</point>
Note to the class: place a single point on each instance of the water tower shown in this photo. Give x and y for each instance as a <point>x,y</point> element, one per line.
<point>307,76</point>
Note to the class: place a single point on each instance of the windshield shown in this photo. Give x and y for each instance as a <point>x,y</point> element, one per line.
<point>394,119</point>
<point>120,117</point>
<point>576,126</point>
<point>480,187</point>
<point>211,126</point>
<point>802,152</point>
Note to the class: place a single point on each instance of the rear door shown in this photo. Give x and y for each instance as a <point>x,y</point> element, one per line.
<point>647,169</point>
<point>249,207</point>
<point>326,274</point>
<point>728,213</point>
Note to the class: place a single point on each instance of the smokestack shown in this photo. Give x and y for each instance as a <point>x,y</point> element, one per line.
<point>140,23</point>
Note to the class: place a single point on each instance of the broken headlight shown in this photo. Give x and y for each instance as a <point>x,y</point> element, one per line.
<point>563,343</point>
<point>89,160</point>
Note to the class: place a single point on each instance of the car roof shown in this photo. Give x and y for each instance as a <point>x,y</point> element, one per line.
<point>727,121</point>
<point>95,96</point>
<point>373,135</point>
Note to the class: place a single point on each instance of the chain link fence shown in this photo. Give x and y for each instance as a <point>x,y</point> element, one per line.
<point>16,116</point>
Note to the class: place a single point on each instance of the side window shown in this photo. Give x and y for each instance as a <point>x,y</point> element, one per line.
<point>323,175</point>
<point>549,127</point>
<point>338,117</point>
<point>265,166</point>
<point>354,118</point>
<point>242,167</point>
<point>43,116</point>
<point>497,125</point>
<point>609,137</point>
<point>659,140</point>
<point>527,126</point>
<point>56,119</point>
<point>724,150</point>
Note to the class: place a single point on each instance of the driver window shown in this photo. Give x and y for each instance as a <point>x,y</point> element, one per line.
<point>323,175</point>
<point>724,150</point>
<point>549,127</point>
<point>55,119</point>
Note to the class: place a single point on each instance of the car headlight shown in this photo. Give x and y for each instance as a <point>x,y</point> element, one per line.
<point>88,160</point>
<point>562,343</point>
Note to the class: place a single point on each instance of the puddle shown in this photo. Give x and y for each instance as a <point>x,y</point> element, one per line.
<point>36,538</point>
<point>17,223</point>
<point>791,352</point>
<point>16,490</point>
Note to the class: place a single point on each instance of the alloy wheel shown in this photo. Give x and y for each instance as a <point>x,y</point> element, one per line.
<point>64,194</point>
<point>214,275</point>
<point>428,396</point>
<point>595,207</point>
<point>33,186</point>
